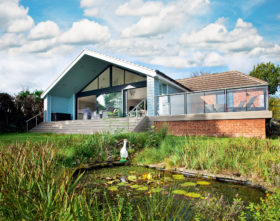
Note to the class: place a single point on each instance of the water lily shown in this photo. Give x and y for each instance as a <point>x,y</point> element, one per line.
<point>203,183</point>
<point>188,184</point>
<point>178,177</point>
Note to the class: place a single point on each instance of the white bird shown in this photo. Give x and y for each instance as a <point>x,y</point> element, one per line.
<point>123,152</point>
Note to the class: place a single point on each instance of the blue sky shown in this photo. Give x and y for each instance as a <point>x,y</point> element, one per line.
<point>38,39</point>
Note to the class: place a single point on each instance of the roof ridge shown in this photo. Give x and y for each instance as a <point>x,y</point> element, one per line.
<point>122,60</point>
<point>210,74</point>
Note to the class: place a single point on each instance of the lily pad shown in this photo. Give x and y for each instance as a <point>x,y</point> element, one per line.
<point>136,186</point>
<point>193,195</point>
<point>179,192</point>
<point>203,183</point>
<point>132,171</point>
<point>143,188</point>
<point>113,188</point>
<point>132,178</point>
<point>112,181</point>
<point>157,190</point>
<point>123,184</point>
<point>168,179</point>
<point>178,177</point>
<point>188,184</point>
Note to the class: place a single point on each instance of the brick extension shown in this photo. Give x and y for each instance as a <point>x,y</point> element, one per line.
<point>219,128</point>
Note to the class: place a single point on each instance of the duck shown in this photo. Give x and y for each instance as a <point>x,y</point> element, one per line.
<point>123,152</point>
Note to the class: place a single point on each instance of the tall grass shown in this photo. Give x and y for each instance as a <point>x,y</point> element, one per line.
<point>33,186</point>
<point>250,157</point>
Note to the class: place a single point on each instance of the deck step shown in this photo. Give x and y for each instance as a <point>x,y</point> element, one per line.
<point>111,125</point>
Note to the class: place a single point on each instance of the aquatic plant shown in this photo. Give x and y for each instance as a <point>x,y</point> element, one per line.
<point>203,183</point>
<point>186,184</point>
<point>253,158</point>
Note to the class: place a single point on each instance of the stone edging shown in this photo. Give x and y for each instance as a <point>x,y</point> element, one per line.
<point>209,176</point>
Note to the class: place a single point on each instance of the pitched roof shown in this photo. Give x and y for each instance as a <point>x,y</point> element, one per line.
<point>229,79</point>
<point>108,60</point>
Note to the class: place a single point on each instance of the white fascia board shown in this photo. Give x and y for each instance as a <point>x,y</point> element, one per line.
<point>170,82</point>
<point>103,57</point>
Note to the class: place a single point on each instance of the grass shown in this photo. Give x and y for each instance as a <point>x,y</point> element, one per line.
<point>35,186</point>
<point>250,157</point>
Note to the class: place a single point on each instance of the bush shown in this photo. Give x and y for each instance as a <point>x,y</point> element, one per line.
<point>268,209</point>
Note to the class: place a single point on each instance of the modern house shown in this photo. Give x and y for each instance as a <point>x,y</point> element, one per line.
<point>96,87</point>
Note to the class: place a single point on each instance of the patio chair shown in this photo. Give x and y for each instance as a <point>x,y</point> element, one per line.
<point>251,101</point>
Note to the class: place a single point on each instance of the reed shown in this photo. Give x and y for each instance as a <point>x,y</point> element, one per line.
<point>249,157</point>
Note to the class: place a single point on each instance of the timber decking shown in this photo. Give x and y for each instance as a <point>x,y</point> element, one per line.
<point>111,125</point>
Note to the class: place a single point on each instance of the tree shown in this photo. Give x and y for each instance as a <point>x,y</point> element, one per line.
<point>269,73</point>
<point>10,116</point>
<point>29,103</point>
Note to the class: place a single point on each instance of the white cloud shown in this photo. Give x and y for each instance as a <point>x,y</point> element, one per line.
<point>278,16</point>
<point>85,32</point>
<point>11,40</point>
<point>189,59</point>
<point>136,47</point>
<point>91,7</point>
<point>38,46</point>
<point>29,71</point>
<point>14,17</point>
<point>213,59</point>
<point>244,37</point>
<point>90,3</point>
<point>43,30</point>
<point>91,12</point>
<point>139,8</point>
<point>170,16</point>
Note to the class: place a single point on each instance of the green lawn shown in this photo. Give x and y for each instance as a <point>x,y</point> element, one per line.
<point>10,138</point>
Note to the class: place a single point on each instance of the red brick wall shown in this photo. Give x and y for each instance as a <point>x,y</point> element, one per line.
<point>228,128</point>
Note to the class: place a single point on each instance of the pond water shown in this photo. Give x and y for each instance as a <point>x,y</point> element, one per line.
<point>140,181</point>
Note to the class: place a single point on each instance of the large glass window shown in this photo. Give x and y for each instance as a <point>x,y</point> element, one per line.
<point>132,78</point>
<point>214,101</point>
<point>92,86</point>
<point>236,100</point>
<point>134,96</point>
<point>110,104</point>
<point>86,107</point>
<point>117,76</point>
<point>195,103</point>
<point>177,104</point>
<point>256,98</point>
<point>104,79</point>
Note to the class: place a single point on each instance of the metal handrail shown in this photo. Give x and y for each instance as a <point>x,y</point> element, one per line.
<point>36,116</point>
<point>134,110</point>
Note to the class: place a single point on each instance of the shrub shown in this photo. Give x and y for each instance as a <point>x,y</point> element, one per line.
<point>268,209</point>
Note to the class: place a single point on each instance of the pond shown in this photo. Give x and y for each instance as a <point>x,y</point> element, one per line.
<point>138,184</point>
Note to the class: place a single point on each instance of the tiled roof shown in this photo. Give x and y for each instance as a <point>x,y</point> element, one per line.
<point>229,79</point>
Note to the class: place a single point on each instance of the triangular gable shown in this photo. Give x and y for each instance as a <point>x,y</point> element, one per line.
<point>101,58</point>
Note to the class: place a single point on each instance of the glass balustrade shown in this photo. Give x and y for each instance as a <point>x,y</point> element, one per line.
<point>226,100</point>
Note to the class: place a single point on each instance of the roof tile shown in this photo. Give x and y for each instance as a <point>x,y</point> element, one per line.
<point>229,79</point>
